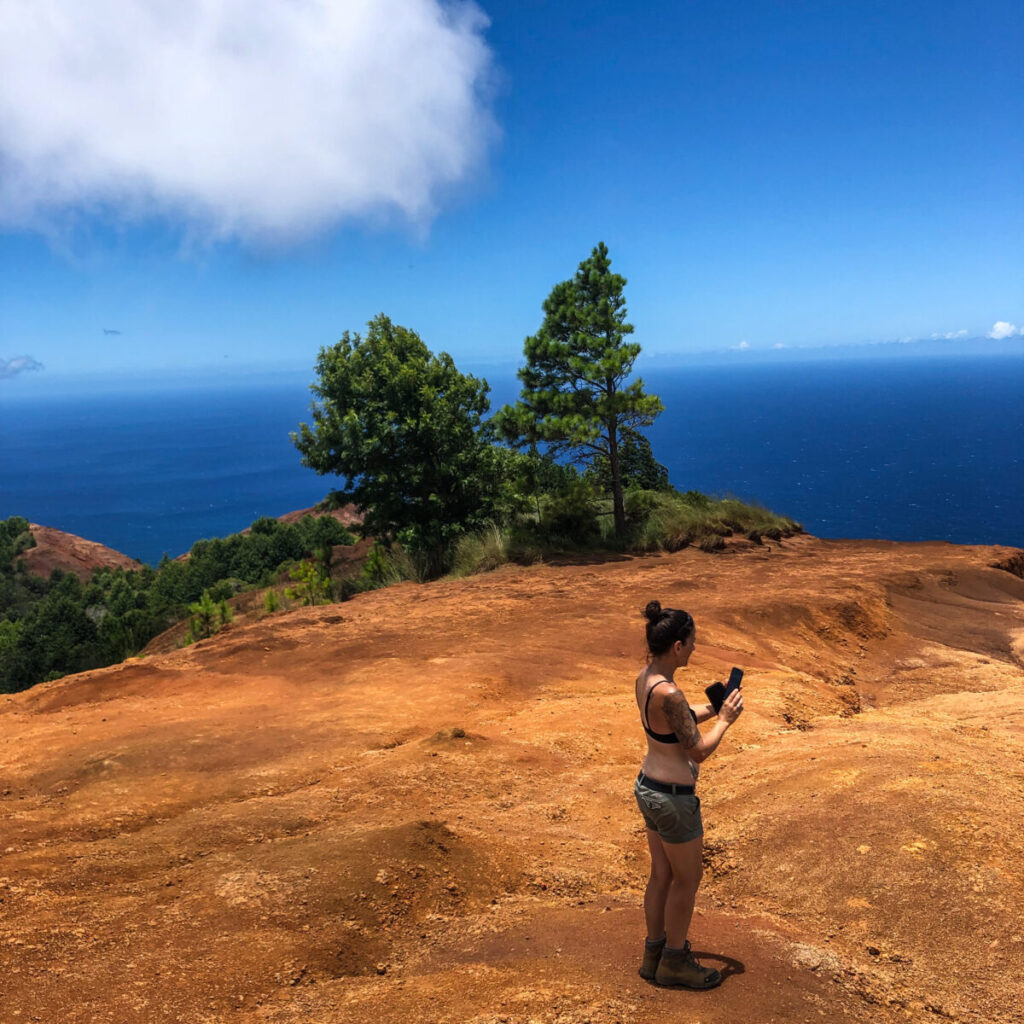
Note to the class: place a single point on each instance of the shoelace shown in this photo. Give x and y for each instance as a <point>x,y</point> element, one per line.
<point>690,958</point>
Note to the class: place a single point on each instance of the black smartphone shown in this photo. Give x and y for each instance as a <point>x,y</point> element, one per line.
<point>717,692</point>
<point>735,681</point>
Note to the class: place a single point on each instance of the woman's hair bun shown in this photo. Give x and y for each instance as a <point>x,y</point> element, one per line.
<point>665,626</point>
<point>653,611</point>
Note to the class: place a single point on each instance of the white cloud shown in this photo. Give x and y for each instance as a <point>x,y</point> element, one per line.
<point>949,335</point>
<point>19,364</point>
<point>778,344</point>
<point>1002,329</point>
<point>249,118</point>
<point>742,346</point>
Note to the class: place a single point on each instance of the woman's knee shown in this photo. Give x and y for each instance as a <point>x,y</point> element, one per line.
<point>688,880</point>
<point>661,876</point>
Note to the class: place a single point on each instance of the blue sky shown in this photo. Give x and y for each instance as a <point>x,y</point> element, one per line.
<point>765,174</point>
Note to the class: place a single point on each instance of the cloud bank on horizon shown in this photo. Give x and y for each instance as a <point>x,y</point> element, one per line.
<point>250,119</point>
<point>1003,329</point>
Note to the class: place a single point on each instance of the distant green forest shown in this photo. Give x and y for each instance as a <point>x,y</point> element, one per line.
<point>50,627</point>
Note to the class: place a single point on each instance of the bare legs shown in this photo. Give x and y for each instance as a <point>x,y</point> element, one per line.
<point>657,887</point>
<point>676,870</point>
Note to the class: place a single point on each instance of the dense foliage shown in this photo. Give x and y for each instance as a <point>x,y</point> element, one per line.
<point>51,627</point>
<point>577,397</point>
<point>403,428</point>
<point>637,466</point>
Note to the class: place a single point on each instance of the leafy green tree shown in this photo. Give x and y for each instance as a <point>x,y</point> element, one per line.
<point>576,394</point>
<point>10,633</point>
<point>637,463</point>
<point>535,474</point>
<point>15,537</point>
<point>402,426</point>
<point>56,634</point>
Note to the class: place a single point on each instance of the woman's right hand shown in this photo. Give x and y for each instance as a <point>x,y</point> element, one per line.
<point>732,707</point>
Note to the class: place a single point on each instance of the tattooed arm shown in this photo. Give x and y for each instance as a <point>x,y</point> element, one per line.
<point>680,721</point>
<point>698,747</point>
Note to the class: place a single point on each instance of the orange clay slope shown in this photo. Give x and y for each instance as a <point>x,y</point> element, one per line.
<point>416,806</point>
<point>55,549</point>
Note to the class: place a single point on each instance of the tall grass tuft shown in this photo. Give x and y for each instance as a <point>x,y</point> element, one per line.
<point>480,552</point>
<point>666,521</point>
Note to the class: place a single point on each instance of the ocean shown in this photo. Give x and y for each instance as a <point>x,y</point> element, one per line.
<point>919,449</point>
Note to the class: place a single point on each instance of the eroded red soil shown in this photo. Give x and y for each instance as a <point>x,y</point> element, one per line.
<point>416,806</point>
<point>58,550</point>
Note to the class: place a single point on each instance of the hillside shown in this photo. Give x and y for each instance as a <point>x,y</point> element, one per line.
<point>416,806</point>
<point>56,549</point>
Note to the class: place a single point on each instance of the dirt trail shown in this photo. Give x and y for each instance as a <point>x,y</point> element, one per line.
<point>417,805</point>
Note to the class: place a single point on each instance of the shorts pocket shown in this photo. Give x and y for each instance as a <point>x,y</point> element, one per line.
<point>661,810</point>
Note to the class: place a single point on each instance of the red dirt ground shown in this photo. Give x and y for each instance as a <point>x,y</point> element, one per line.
<point>416,806</point>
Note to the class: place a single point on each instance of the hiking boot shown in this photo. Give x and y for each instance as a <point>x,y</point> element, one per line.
<point>652,954</point>
<point>679,968</point>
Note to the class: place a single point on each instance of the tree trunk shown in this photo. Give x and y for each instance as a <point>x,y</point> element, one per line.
<point>613,467</point>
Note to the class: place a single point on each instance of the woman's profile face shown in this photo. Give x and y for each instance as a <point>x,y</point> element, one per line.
<point>684,648</point>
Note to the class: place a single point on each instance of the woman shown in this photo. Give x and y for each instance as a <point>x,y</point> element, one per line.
<point>665,794</point>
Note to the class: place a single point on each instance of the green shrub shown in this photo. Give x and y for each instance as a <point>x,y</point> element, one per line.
<point>312,584</point>
<point>670,523</point>
<point>348,586</point>
<point>667,522</point>
<point>569,518</point>
<point>207,618</point>
<point>523,546</point>
<point>385,566</point>
<point>639,504</point>
<point>696,499</point>
<point>480,552</point>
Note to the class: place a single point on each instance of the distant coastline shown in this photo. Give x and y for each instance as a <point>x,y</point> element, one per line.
<point>924,449</point>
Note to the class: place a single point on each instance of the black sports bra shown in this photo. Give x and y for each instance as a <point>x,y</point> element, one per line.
<point>661,737</point>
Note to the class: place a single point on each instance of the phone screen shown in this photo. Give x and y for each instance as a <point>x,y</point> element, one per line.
<point>716,692</point>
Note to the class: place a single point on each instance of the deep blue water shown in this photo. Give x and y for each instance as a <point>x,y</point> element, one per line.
<point>915,450</point>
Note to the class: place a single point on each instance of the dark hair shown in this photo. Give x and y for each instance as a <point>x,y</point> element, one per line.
<point>665,626</point>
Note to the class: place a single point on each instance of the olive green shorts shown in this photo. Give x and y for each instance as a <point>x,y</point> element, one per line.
<point>676,818</point>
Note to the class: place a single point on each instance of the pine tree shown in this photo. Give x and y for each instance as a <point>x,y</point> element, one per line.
<point>576,394</point>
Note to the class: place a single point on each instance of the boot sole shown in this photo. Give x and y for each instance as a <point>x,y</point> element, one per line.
<point>692,988</point>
